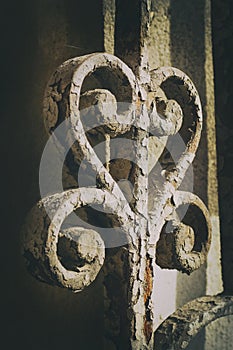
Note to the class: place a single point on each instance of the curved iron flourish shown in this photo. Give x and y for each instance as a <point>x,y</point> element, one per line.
<point>153,114</point>
<point>176,332</point>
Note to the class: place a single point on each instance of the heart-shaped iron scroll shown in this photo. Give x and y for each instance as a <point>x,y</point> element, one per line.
<point>149,118</point>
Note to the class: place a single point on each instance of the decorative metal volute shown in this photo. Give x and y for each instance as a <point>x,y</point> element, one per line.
<point>71,257</point>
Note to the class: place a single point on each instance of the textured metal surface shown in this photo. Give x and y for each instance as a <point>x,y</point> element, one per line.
<point>177,331</point>
<point>141,223</point>
<point>161,104</point>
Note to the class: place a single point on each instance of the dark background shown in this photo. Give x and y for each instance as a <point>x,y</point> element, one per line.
<point>222,19</point>
<point>35,39</point>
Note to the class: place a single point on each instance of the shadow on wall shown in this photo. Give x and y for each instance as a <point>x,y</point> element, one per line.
<point>188,54</point>
<point>222,24</point>
<point>36,38</point>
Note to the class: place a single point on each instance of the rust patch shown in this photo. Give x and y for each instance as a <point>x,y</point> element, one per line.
<point>148,323</point>
<point>148,330</point>
<point>148,280</point>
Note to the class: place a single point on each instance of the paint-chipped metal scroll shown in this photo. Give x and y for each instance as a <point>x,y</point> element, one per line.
<point>179,247</point>
<point>42,229</point>
<point>70,258</point>
<point>177,331</point>
<point>159,107</point>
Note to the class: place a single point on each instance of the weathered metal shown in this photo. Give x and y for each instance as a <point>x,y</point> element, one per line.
<point>151,117</point>
<point>177,331</point>
<point>142,223</point>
